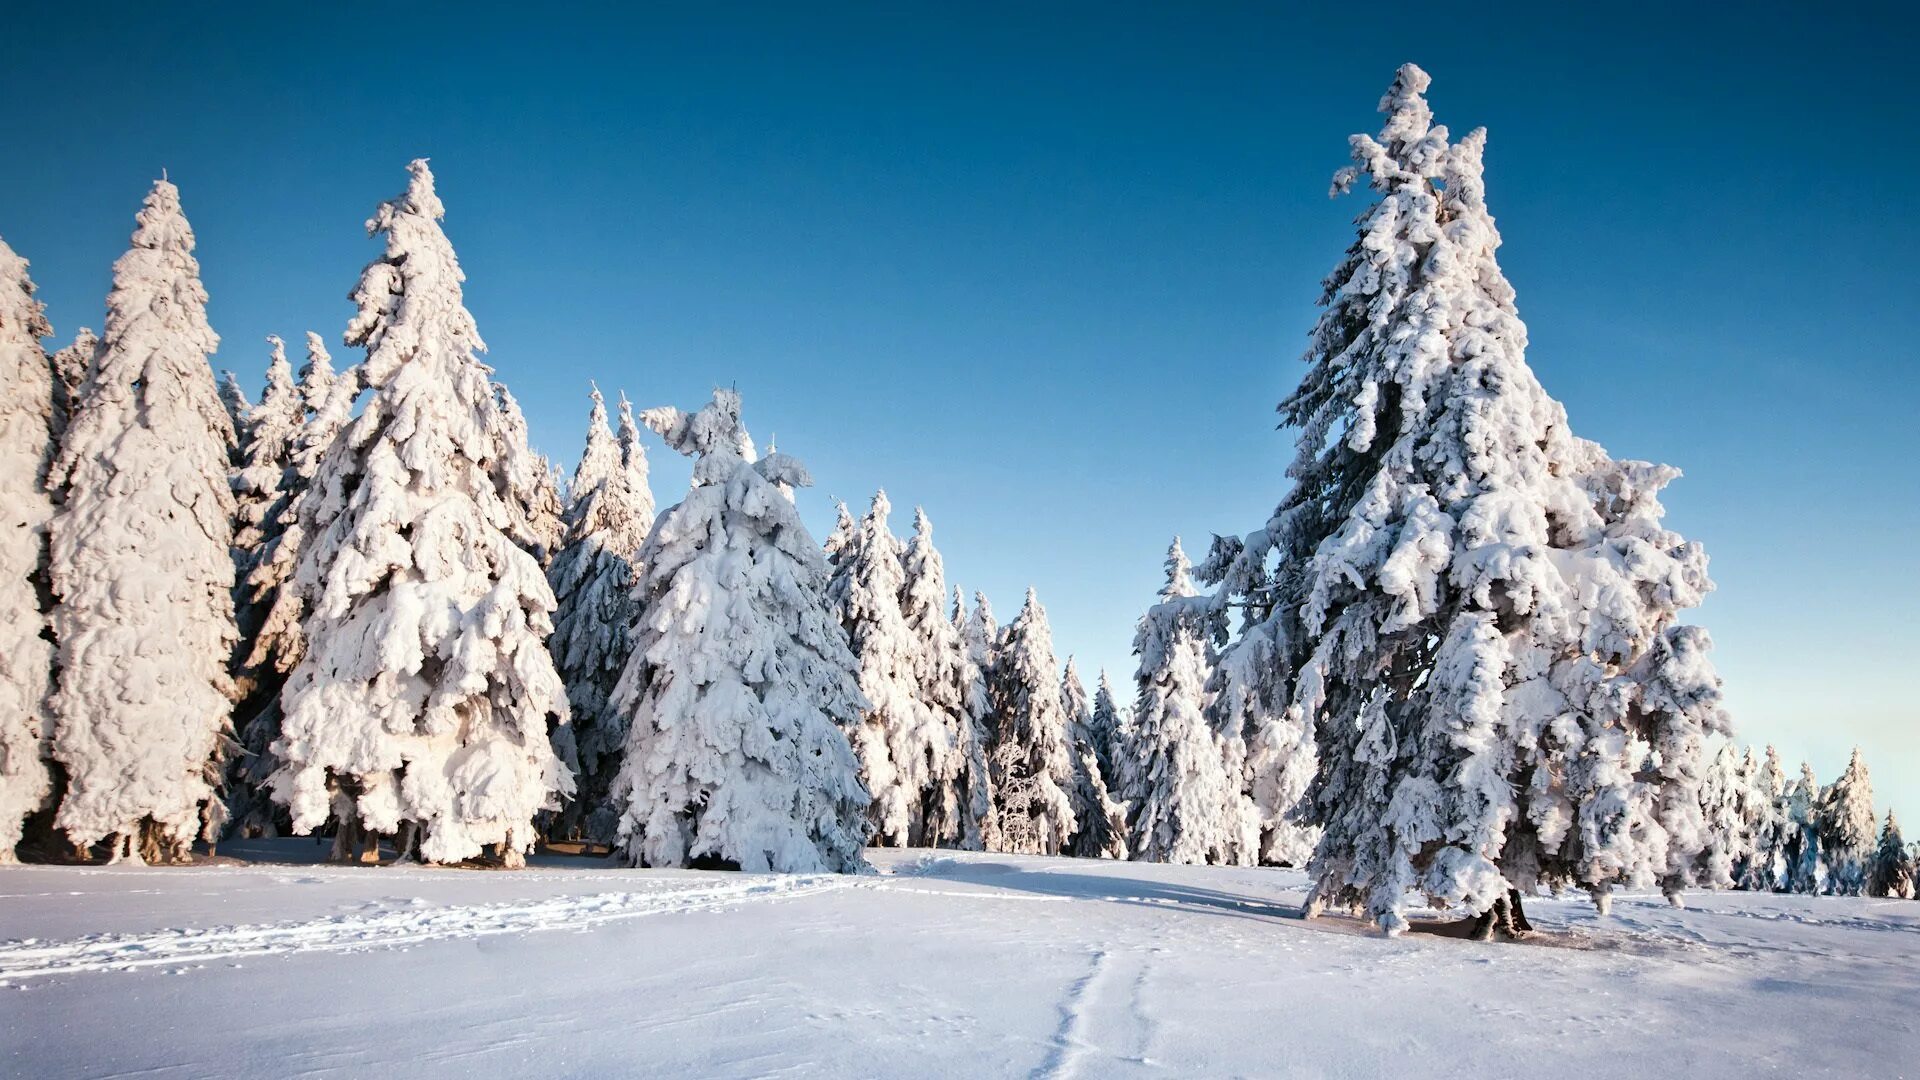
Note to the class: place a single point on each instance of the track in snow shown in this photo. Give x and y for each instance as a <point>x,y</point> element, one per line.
<point>384,929</point>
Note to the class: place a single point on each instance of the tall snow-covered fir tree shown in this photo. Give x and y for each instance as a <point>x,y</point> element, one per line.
<point>842,534</point>
<point>1723,804</point>
<point>421,703</point>
<point>28,395</point>
<point>142,563</point>
<point>980,639</point>
<point>269,589</point>
<point>531,480</point>
<point>910,754</point>
<point>1847,829</point>
<point>1112,729</point>
<point>1806,869</point>
<point>262,492</point>
<point>593,576</point>
<point>1766,869</point>
<point>1186,806</point>
<point>70,367</point>
<point>963,799</point>
<point>1100,820</point>
<point>1893,871</point>
<point>740,688</point>
<point>234,399</point>
<point>1028,756</point>
<point>1475,608</point>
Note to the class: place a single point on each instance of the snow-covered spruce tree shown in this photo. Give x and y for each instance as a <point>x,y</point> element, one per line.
<point>277,643</point>
<point>142,562</point>
<point>1100,820</point>
<point>260,488</point>
<point>1112,729</point>
<point>1186,806</point>
<point>593,577</point>
<point>909,753</point>
<point>421,702</point>
<point>740,687</point>
<point>1027,755</point>
<point>534,491</point>
<point>1768,792</point>
<point>979,642</point>
<point>70,368</point>
<point>1476,609</point>
<point>842,535</point>
<point>962,798</point>
<point>27,413</point>
<point>1723,802</point>
<point>1893,870</point>
<point>1846,826</point>
<point>1806,869</point>
<point>239,410</point>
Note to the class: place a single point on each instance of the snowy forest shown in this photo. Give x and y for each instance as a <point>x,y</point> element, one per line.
<point>1450,670</point>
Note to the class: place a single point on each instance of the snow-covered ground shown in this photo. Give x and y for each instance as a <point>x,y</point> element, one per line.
<point>944,964</point>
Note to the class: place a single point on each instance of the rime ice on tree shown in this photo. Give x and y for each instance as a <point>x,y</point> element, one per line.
<point>961,799</point>
<point>141,560</point>
<point>1100,821</point>
<point>1028,757</point>
<point>422,701</point>
<point>1846,826</point>
<point>740,686</point>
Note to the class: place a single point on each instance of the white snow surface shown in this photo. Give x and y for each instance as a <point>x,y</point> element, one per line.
<point>945,964</point>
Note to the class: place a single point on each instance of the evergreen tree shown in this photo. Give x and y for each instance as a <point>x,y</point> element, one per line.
<point>421,703</point>
<point>1112,730</point>
<point>1186,806</point>
<point>262,490</point>
<point>1723,798</point>
<point>980,637</point>
<point>70,368</point>
<point>28,395</point>
<point>593,576</point>
<point>533,492</point>
<point>1100,830</point>
<point>840,537</point>
<point>142,562</point>
<point>740,687</point>
<point>1846,826</point>
<point>1028,756</point>
<point>962,798</point>
<point>239,409</point>
<point>1806,869</point>
<point>1893,869</point>
<point>1475,609</point>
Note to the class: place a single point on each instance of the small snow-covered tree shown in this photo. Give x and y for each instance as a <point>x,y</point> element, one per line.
<point>1806,869</point>
<point>1846,826</point>
<point>1475,609</point>
<point>1112,730</point>
<point>262,489</point>
<point>841,536</point>
<point>421,702</point>
<point>142,561</point>
<point>1028,756</point>
<point>1723,799</point>
<point>70,368</point>
<point>1768,794</point>
<point>1893,870</point>
<point>534,493</point>
<point>593,576</point>
<point>740,687</point>
<point>28,396</point>
<point>909,753</point>
<point>962,798</point>
<point>1100,820</point>
<point>1187,807</point>
<point>980,636</point>
<point>234,399</point>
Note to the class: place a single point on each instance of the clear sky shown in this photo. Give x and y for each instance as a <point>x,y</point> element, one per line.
<point>1048,272</point>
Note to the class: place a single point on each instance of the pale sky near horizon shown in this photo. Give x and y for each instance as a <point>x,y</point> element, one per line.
<point>1047,270</point>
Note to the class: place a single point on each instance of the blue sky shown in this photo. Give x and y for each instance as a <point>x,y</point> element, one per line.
<point>1047,272</point>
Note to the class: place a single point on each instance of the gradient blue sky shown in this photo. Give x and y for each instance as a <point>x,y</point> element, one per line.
<point>1047,272</point>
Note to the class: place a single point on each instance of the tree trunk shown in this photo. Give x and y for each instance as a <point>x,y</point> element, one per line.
<point>1504,919</point>
<point>1520,924</point>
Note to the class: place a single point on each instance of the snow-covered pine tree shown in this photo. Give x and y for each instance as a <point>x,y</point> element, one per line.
<point>142,563</point>
<point>535,493</point>
<point>421,703</point>
<point>909,754</point>
<point>1723,798</point>
<point>1100,820</point>
<point>1186,806</point>
<point>70,368</point>
<point>234,399</point>
<point>1806,870</point>
<point>842,535</point>
<point>1027,755</point>
<point>28,395</point>
<point>963,797</point>
<point>277,643</point>
<point>260,488</point>
<point>1766,868</point>
<point>1476,608</point>
<point>1893,870</point>
<point>740,687</point>
<point>593,576</point>
<point>1847,833</point>
<point>1112,727</point>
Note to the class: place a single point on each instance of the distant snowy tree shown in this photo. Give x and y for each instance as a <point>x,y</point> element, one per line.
<point>962,797</point>
<point>593,576</point>
<point>142,562</point>
<point>1893,869</point>
<point>28,396</point>
<point>981,637</point>
<point>1100,820</point>
<point>70,368</point>
<point>534,493</point>
<point>261,484</point>
<point>1846,825</point>
<point>1723,803</point>
<point>1475,608</point>
<point>1806,870</point>
<point>1028,756</point>
<point>239,409</point>
<point>421,703</point>
<point>1766,800</point>
<point>740,688</point>
<point>1185,805</point>
<point>841,536</point>
<point>1112,729</point>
